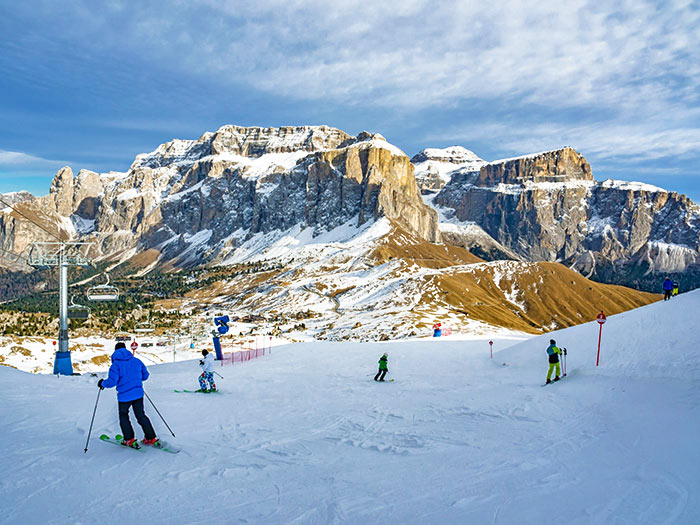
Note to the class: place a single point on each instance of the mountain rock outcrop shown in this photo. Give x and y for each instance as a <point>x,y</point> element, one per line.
<point>12,198</point>
<point>547,207</point>
<point>435,167</point>
<point>196,200</point>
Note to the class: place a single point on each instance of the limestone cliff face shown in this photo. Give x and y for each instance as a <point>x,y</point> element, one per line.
<point>547,207</point>
<point>197,200</point>
<point>552,166</point>
<point>246,142</point>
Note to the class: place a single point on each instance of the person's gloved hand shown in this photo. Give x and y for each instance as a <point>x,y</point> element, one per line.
<point>99,384</point>
<point>201,362</point>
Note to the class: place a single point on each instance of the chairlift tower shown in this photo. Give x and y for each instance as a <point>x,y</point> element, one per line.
<point>61,255</point>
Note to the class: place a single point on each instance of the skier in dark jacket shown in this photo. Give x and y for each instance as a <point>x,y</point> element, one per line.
<point>668,288</point>
<point>553,353</point>
<point>127,373</point>
<point>383,368</point>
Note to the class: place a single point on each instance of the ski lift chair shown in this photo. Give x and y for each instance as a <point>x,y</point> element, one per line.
<point>144,327</point>
<point>103,292</point>
<point>78,311</point>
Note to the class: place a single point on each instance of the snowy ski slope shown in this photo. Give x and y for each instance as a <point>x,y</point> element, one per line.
<point>305,436</point>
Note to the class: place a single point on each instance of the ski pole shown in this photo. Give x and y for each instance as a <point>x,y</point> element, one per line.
<point>161,416</point>
<point>218,374</point>
<point>564,361</point>
<point>93,418</point>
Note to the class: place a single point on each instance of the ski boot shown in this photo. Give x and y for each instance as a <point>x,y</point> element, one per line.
<point>548,381</point>
<point>557,378</point>
<point>131,443</point>
<point>153,441</point>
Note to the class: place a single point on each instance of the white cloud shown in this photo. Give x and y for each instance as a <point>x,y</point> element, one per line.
<point>624,73</point>
<point>621,54</point>
<point>19,160</point>
<point>630,142</point>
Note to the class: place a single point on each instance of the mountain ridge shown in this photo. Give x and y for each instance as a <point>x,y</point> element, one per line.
<point>253,194</point>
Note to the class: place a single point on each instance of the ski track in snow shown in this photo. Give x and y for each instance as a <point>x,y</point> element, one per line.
<point>304,435</point>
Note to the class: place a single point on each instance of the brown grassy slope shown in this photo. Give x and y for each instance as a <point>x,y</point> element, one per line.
<point>548,296</point>
<point>399,244</point>
<point>552,296</point>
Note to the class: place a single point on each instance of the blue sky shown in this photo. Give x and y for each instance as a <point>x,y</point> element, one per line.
<point>91,84</point>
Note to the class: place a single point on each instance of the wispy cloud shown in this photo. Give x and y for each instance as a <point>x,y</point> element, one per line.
<point>633,142</point>
<point>625,59</point>
<point>24,161</point>
<point>623,54</point>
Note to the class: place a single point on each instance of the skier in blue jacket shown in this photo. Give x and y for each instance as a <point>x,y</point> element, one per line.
<point>668,288</point>
<point>127,373</point>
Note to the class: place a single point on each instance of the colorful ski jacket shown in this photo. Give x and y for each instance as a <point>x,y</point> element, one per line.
<point>553,352</point>
<point>127,373</point>
<point>668,285</point>
<point>383,363</point>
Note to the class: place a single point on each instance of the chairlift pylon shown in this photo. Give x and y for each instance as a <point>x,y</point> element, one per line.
<point>103,292</point>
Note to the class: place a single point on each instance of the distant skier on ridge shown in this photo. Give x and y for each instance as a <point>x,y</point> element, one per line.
<point>383,368</point>
<point>553,353</point>
<point>127,373</point>
<point>668,288</point>
<point>207,365</point>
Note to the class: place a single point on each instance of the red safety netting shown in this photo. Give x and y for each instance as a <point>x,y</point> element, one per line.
<point>240,356</point>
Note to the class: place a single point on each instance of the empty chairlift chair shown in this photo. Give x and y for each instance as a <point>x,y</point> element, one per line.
<point>103,292</point>
<point>78,311</point>
<point>144,327</point>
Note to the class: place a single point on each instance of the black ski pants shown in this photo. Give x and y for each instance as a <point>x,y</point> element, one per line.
<point>141,417</point>
<point>381,373</point>
<point>667,295</point>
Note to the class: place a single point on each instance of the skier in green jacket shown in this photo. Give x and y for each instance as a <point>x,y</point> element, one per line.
<point>383,368</point>
<point>553,353</point>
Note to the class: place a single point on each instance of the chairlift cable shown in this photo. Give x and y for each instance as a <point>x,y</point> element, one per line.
<point>30,220</point>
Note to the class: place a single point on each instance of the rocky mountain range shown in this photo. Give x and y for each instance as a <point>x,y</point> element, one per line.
<point>196,201</point>
<point>298,195</point>
<point>548,207</point>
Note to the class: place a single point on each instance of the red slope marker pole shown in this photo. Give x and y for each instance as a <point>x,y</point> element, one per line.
<point>491,345</point>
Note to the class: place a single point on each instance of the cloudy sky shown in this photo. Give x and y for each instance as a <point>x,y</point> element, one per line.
<point>91,84</point>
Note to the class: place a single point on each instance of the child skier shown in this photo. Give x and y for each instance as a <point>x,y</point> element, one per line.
<point>127,373</point>
<point>675,288</point>
<point>207,365</point>
<point>383,368</point>
<point>553,353</point>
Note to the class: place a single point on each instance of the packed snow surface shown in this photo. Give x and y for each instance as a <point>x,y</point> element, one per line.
<point>304,435</point>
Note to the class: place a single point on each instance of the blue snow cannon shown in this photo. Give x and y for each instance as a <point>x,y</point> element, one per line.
<point>222,324</point>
